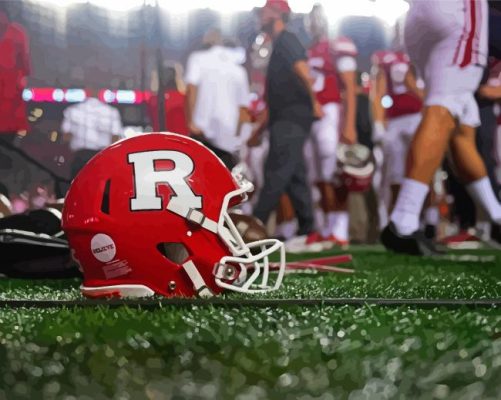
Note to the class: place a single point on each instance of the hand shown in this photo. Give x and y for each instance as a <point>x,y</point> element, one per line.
<point>67,137</point>
<point>349,135</point>
<point>195,130</point>
<point>254,139</point>
<point>318,111</point>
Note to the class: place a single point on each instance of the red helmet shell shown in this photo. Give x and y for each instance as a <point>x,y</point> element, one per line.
<point>117,233</point>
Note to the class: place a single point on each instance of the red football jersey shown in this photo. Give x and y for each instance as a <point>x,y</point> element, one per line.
<point>395,65</point>
<point>175,119</point>
<point>14,67</point>
<point>322,59</point>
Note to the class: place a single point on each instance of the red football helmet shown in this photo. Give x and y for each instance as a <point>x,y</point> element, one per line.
<point>355,167</point>
<point>149,215</point>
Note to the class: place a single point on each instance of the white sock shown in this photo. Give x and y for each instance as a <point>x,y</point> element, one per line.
<point>431,216</point>
<point>340,224</point>
<point>482,193</point>
<point>320,220</point>
<point>329,221</point>
<point>286,229</point>
<point>382,211</point>
<point>408,207</point>
<point>483,229</point>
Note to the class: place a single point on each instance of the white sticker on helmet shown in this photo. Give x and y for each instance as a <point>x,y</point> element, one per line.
<point>103,247</point>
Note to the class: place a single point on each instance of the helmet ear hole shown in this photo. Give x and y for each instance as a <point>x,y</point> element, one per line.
<point>175,252</point>
<point>105,202</point>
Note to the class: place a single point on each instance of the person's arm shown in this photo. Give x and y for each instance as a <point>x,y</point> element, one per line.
<point>349,80</point>
<point>260,125</point>
<point>302,70</point>
<point>490,92</point>
<point>377,91</point>
<point>192,80</point>
<point>345,53</point>
<point>191,101</point>
<point>244,116</point>
<point>410,82</point>
<point>22,45</point>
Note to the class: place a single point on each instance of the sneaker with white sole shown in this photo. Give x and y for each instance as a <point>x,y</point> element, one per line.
<point>305,243</point>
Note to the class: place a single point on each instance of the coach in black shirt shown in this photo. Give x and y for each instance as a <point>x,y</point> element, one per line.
<point>292,109</point>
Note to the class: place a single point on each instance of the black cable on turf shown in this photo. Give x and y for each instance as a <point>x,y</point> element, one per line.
<point>257,303</point>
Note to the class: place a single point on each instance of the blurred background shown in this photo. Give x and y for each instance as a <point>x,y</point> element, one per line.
<point>115,48</point>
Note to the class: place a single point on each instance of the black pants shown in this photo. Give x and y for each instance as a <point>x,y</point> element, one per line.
<point>285,172</point>
<point>463,209</point>
<point>228,159</point>
<point>81,158</point>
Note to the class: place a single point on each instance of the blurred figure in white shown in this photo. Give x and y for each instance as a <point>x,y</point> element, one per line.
<point>89,127</point>
<point>218,98</point>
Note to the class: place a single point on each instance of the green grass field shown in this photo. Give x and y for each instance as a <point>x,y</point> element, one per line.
<point>244,353</point>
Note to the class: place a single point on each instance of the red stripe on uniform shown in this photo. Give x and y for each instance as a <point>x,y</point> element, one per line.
<point>471,35</point>
<point>461,38</point>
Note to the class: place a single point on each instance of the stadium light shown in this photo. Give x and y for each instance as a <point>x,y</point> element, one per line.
<point>112,5</point>
<point>304,6</point>
<point>387,10</point>
<point>118,5</point>
<point>390,10</point>
<point>223,7</point>
<point>234,6</point>
<point>61,3</point>
<point>181,7</point>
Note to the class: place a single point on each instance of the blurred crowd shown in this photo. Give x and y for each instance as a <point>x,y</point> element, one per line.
<point>286,117</point>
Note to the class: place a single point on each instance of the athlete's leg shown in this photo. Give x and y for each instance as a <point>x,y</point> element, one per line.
<point>471,170</point>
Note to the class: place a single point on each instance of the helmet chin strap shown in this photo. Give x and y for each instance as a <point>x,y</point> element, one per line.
<point>193,215</point>
<point>198,282</point>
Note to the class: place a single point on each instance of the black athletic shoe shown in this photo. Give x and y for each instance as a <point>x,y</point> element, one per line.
<point>496,233</point>
<point>430,231</point>
<point>415,244</point>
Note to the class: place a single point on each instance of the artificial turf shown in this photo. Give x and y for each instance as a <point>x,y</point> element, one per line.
<point>368,352</point>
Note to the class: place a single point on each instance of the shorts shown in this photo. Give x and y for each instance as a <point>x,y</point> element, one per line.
<point>447,42</point>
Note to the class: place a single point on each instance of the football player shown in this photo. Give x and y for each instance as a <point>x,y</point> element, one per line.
<point>447,41</point>
<point>333,67</point>
<point>394,127</point>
